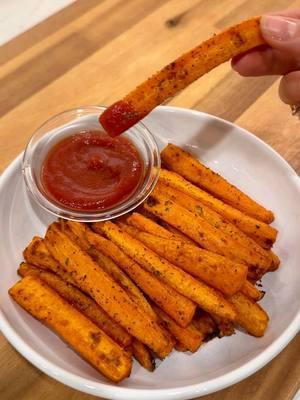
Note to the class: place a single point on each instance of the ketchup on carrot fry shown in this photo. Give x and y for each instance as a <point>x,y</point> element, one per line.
<point>91,171</point>
<point>119,117</point>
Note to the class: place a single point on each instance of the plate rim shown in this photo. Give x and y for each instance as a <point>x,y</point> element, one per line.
<point>182,392</point>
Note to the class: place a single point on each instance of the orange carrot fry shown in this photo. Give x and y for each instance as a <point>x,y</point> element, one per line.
<point>78,232</point>
<point>206,325</point>
<point>36,253</point>
<point>250,315</point>
<point>225,327</point>
<point>216,220</point>
<point>145,224</point>
<point>215,270</point>
<point>105,291</point>
<point>275,261</point>
<point>203,233</point>
<point>262,233</point>
<point>163,229</point>
<point>79,332</point>
<point>251,291</point>
<point>180,347</point>
<point>179,74</point>
<point>82,302</point>
<point>142,354</point>
<point>190,337</point>
<point>179,235</point>
<point>193,170</point>
<point>173,303</point>
<point>207,298</point>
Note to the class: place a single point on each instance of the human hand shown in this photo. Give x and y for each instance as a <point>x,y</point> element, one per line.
<point>281,55</point>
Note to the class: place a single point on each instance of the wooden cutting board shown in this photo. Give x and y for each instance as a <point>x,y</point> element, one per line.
<point>93,52</point>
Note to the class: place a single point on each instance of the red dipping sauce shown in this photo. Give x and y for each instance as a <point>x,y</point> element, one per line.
<point>119,117</point>
<point>91,171</point>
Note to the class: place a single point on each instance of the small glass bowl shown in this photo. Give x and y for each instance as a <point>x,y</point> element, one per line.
<point>83,119</point>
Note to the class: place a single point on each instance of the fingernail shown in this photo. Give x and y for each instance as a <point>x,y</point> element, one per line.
<point>279,28</point>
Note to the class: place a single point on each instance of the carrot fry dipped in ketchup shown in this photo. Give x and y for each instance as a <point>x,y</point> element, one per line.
<point>177,75</point>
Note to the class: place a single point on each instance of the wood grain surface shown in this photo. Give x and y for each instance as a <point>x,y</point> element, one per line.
<point>93,52</point>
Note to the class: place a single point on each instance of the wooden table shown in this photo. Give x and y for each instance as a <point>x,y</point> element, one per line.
<point>93,52</point>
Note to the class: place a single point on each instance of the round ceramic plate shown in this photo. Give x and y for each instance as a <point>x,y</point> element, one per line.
<point>245,161</point>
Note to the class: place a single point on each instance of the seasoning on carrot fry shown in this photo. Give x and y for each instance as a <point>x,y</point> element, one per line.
<point>179,74</point>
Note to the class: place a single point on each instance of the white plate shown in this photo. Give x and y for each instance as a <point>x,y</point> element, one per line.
<point>244,160</point>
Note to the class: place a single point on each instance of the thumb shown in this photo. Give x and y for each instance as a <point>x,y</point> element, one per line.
<point>282,33</point>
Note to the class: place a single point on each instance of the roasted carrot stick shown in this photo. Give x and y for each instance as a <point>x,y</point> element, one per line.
<point>36,253</point>
<point>180,347</point>
<point>82,302</point>
<point>190,337</point>
<point>179,74</point>
<point>173,303</point>
<point>224,326</point>
<point>43,303</point>
<point>105,291</point>
<point>194,171</point>
<point>142,354</point>
<point>215,219</point>
<point>262,233</point>
<point>206,325</point>
<point>78,232</point>
<point>145,224</point>
<point>250,315</point>
<point>251,291</point>
<point>206,297</point>
<point>164,230</point>
<point>213,269</point>
<point>203,233</point>
<point>178,234</point>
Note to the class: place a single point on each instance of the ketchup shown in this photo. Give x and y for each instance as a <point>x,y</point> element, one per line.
<point>119,117</point>
<point>91,171</point>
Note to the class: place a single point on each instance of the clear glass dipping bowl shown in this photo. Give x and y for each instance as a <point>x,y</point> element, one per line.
<point>68,123</point>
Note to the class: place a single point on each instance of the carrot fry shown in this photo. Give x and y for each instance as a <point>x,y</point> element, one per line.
<point>252,292</point>
<point>79,332</point>
<point>163,229</point>
<point>189,337</point>
<point>36,253</point>
<point>262,233</point>
<point>250,315</point>
<point>193,170</point>
<point>28,269</point>
<point>179,74</point>
<point>82,302</point>
<point>225,327</point>
<point>215,219</point>
<point>126,283</point>
<point>142,354</point>
<point>215,270</point>
<point>206,325</point>
<point>275,261</point>
<point>173,303</point>
<point>203,233</point>
<point>180,347</point>
<point>179,235</point>
<point>78,232</point>
<point>207,298</point>
<point>105,291</point>
<point>145,224</point>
